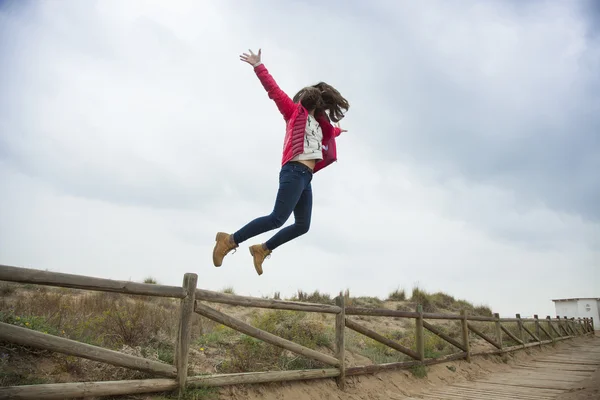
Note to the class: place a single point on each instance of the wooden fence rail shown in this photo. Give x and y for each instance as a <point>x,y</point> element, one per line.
<point>191,299</point>
<point>27,337</point>
<point>26,275</point>
<point>235,300</point>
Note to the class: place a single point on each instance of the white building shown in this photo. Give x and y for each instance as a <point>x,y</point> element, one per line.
<point>579,308</point>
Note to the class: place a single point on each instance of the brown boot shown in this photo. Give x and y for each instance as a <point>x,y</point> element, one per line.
<point>223,246</point>
<point>259,253</point>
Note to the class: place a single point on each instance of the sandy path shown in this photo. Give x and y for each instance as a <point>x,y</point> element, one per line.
<point>569,372</point>
<point>586,390</point>
<point>589,389</point>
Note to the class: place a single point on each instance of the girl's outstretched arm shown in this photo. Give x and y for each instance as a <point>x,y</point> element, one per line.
<point>337,131</point>
<point>282,100</point>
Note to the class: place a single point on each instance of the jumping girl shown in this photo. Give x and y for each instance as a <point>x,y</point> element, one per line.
<point>308,147</point>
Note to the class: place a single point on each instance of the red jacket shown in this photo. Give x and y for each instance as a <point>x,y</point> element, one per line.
<point>295,116</point>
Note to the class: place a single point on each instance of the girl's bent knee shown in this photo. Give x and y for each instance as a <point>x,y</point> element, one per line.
<point>277,221</point>
<point>303,229</point>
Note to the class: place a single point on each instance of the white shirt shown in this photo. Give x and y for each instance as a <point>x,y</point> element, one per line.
<point>313,138</point>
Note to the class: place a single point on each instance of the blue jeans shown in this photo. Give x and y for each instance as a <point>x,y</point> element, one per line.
<point>294,195</point>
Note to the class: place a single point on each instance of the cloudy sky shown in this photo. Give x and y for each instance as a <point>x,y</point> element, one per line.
<point>130,132</point>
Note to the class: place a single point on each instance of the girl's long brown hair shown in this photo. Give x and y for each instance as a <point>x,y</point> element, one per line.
<point>331,100</point>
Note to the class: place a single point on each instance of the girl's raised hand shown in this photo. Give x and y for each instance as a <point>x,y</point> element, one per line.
<point>251,58</point>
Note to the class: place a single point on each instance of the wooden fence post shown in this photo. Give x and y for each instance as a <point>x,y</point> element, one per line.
<point>592,322</point>
<point>561,328</point>
<point>498,329</point>
<point>538,332</point>
<point>568,327</point>
<point>420,333</point>
<point>550,329</point>
<point>573,326</point>
<point>521,333</point>
<point>465,334</point>
<point>340,341</point>
<point>183,338</point>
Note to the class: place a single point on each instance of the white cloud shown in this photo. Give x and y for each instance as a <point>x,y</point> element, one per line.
<point>132,133</point>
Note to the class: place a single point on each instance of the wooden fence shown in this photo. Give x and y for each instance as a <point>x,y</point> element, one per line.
<point>175,377</point>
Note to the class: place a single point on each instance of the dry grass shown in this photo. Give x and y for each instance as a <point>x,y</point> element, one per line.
<point>7,289</point>
<point>397,295</point>
<point>105,319</point>
<point>245,353</point>
<point>137,325</point>
<point>228,290</point>
<point>314,297</point>
<point>150,280</point>
<point>325,298</point>
<point>440,301</point>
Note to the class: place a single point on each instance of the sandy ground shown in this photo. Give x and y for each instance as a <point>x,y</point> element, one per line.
<point>398,384</point>
<point>588,390</point>
<point>387,385</point>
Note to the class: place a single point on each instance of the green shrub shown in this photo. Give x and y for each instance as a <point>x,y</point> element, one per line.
<point>435,346</point>
<point>397,295</point>
<point>406,307</point>
<point>483,311</point>
<point>367,302</point>
<point>16,378</point>
<point>220,336</point>
<point>443,300</point>
<point>253,355</point>
<point>6,289</point>
<point>379,353</point>
<point>249,354</point>
<point>419,371</point>
<point>205,393</point>
<point>462,305</point>
<point>295,326</point>
<point>513,328</point>
<point>33,322</point>
<point>423,298</point>
<point>228,290</point>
